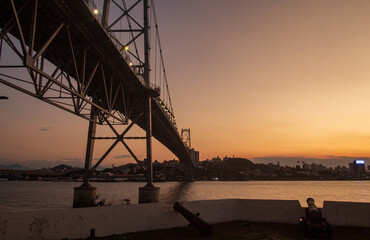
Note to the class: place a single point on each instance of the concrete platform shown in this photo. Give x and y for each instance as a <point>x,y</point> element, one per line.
<point>106,221</point>
<point>243,230</point>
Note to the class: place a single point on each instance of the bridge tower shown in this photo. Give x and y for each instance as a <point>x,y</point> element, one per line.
<point>149,193</point>
<point>194,155</point>
<point>86,194</point>
<point>185,137</point>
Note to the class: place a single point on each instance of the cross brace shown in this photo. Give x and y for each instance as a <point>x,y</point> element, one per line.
<point>118,138</point>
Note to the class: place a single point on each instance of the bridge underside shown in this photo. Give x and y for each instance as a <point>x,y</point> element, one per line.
<point>94,65</point>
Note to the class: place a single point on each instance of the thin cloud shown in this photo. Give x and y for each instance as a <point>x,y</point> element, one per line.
<point>122,156</point>
<point>72,159</point>
<point>44,129</point>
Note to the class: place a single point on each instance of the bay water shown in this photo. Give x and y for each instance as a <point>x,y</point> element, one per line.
<point>42,195</point>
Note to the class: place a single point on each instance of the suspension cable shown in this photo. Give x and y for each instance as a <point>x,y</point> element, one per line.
<point>161,58</point>
<point>1,47</point>
<point>120,26</point>
<point>155,61</point>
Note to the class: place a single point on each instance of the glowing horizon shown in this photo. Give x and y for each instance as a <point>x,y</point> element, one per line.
<point>252,79</point>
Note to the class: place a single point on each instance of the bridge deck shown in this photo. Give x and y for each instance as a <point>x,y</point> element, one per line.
<point>88,35</point>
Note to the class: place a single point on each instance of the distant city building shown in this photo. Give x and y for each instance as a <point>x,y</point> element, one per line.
<point>305,166</point>
<point>216,160</point>
<point>317,167</point>
<point>357,166</point>
<point>194,155</point>
<point>351,167</point>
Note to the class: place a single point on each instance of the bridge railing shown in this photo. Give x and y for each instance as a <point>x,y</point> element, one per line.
<point>120,47</point>
<point>169,114</point>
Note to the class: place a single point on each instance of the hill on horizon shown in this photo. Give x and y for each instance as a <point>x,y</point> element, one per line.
<point>240,163</point>
<point>15,167</point>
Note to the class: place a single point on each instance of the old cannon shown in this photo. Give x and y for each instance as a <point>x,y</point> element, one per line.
<point>194,220</point>
<point>313,223</point>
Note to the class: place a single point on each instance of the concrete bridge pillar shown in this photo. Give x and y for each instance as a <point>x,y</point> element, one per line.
<point>149,194</point>
<point>84,196</point>
<point>189,174</point>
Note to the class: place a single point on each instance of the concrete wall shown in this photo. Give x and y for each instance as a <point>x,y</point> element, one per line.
<point>76,223</point>
<point>347,213</point>
<point>216,211</point>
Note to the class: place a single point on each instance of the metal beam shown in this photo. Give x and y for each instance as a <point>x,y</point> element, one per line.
<point>90,144</point>
<point>126,30</point>
<point>36,96</point>
<point>32,38</point>
<point>105,15</point>
<point>105,154</point>
<point>10,24</point>
<point>133,155</point>
<point>125,12</point>
<point>148,98</point>
<point>47,43</point>
<point>23,42</point>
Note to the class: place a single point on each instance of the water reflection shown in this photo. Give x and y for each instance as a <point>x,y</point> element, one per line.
<point>40,195</point>
<point>181,191</point>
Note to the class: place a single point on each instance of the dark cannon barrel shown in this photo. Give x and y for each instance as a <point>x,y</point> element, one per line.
<point>313,223</point>
<point>312,212</point>
<point>197,222</point>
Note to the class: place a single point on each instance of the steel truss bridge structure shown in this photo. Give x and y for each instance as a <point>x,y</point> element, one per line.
<point>73,56</point>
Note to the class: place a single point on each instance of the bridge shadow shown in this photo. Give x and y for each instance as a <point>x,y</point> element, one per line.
<point>177,193</point>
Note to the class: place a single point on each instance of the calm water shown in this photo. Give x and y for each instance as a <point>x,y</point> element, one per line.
<point>27,196</point>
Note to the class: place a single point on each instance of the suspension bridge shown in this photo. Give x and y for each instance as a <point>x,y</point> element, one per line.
<point>93,59</point>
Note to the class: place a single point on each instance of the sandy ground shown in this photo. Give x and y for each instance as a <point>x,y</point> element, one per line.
<point>243,231</point>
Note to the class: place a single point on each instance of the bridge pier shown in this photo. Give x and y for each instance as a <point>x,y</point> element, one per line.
<point>85,195</point>
<point>149,194</point>
<point>189,174</point>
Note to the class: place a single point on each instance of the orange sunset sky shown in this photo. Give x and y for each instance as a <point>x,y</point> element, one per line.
<point>250,78</point>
